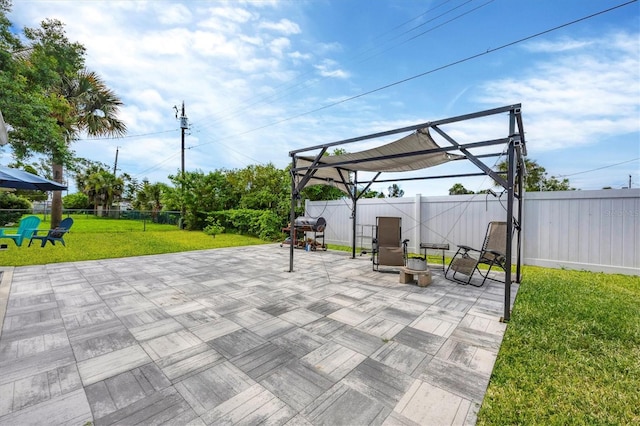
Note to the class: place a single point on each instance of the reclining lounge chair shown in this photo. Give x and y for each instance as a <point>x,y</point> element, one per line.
<point>466,260</point>
<point>388,247</point>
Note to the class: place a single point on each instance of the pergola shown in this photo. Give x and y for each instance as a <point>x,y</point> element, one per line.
<point>416,151</point>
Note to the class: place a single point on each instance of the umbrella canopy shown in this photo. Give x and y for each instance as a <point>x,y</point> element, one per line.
<point>18,179</point>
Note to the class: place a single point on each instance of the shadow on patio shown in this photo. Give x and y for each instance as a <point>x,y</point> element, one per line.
<point>229,336</point>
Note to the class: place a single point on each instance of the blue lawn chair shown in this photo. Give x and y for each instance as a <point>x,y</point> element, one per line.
<point>53,235</point>
<point>27,227</point>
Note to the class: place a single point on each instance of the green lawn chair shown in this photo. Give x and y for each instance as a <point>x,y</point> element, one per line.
<point>28,225</point>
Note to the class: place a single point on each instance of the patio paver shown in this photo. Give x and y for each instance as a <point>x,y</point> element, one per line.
<point>230,336</point>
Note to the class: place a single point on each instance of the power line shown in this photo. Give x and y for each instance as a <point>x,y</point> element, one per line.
<point>431,71</point>
<point>308,82</point>
<point>128,136</point>
<point>599,168</point>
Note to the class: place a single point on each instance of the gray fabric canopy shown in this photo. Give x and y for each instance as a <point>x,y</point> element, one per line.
<point>398,156</point>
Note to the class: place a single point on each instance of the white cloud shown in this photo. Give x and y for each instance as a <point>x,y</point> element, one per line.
<point>279,45</point>
<point>283,26</point>
<point>575,97</point>
<point>300,56</point>
<point>549,46</point>
<point>329,68</point>
<point>172,14</point>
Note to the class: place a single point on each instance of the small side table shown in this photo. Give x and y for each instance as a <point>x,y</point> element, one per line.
<point>408,276</point>
<point>434,246</point>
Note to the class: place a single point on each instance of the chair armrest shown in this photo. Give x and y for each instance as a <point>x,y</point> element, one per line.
<point>496,253</point>
<point>8,230</point>
<point>467,248</point>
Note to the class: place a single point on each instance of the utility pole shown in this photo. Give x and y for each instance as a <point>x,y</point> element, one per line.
<point>184,125</point>
<point>115,165</point>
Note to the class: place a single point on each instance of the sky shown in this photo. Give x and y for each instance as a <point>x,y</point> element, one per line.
<point>260,78</point>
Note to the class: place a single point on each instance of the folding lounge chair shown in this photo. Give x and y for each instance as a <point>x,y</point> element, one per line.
<point>388,247</point>
<point>466,260</point>
<point>53,235</point>
<point>28,225</point>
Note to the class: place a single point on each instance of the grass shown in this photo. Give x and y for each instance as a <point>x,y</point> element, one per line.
<point>94,238</point>
<point>571,352</point>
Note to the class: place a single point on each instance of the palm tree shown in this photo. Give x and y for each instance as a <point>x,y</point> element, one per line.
<point>103,188</point>
<point>91,107</point>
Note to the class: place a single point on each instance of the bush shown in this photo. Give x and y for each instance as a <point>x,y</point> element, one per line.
<point>18,205</point>
<point>214,228</point>
<point>263,224</point>
<point>77,201</point>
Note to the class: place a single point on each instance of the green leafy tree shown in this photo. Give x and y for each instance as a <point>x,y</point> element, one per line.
<point>80,102</point>
<point>77,201</point>
<point>395,191</point>
<point>370,193</point>
<point>261,187</point>
<point>203,193</point>
<point>103,188</point>
<point>321,192</point>
<point>151,197</point>
<point>459,189</point>
<point>25,105</point>
<point>12,208</point>
<point>84,168</point>
<point>537,178</point>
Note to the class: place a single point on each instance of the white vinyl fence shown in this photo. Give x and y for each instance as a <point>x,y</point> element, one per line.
<point>591,230</point>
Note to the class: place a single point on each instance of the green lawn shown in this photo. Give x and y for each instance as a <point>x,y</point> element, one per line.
<point>571,352</point>
<point>93,238</point>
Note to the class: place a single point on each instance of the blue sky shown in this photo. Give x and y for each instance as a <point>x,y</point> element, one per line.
<point>258,79</point>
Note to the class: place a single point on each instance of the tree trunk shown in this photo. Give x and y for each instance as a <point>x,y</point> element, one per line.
<point>56,200</point>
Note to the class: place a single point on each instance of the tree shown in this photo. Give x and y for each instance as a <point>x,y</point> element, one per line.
<point>80,101</point>
<point>370,193</point>
<point>395,191</point>
<point>151,196</point>
<point>459,189</point>
<point>103,188</point>
<point>77,201</point>
<point>83,168</point>
<point>26,107</point>
<point>203,193</point>
<point>261,187</point>
<point>537,179</point>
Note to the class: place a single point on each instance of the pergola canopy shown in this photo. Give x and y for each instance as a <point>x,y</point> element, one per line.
<point>418,151</point>
<point>403,155</point>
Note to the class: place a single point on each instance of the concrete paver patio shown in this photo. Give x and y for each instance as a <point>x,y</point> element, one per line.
<point>228,336</point>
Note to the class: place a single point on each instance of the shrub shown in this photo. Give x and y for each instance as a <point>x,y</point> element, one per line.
<point>77,201</point>
<point>18,206</point>
<point>263,224</point>
<point>213,228</point>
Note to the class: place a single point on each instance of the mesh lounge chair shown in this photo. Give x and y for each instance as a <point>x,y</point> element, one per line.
<point>466,260</point>
<point>53,235</point>
<point>28,225</point>
<point>388,247</point>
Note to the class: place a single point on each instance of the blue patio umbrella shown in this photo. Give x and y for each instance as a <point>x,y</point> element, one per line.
<point>19,179</point>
